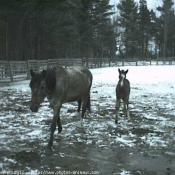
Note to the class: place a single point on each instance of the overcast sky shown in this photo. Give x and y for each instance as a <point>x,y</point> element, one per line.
<point>152,4</point>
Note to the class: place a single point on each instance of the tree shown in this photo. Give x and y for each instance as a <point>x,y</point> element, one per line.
<point>143,27</point>
<point>154,31</point>
<point>166,17</point>
<point>103,31</point>
<point>94,21</point>
<point>128,19</point>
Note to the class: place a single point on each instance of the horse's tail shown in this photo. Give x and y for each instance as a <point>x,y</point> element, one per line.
<point>89,104</point>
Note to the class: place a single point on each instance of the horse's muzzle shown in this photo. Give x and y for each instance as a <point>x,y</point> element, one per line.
<point>34,107</point>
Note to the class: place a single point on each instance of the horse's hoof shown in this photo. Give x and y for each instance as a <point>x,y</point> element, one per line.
<point>80,124</point>
<point>59,130</point>
<point>50,144</point>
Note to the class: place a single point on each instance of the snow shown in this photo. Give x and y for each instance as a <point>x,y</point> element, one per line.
<point>125,172</point>
<point>151,105</point>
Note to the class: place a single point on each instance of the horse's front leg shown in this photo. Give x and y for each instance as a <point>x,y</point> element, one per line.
<point>126,109</point>
<point>128,115</point>
<point>56,119</point>
<point>59,124</point>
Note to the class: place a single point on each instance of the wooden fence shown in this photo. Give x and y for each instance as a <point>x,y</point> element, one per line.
<point>19,70</point>
<point>146,62</point>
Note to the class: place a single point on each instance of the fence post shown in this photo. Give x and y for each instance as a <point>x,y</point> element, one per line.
<point>28,74</point>
<point>37,62</point>
<point>87,62</point>
<point>57,62</point>
<point>66,63</point>
<point>10,71</point>
<point>73,61</point>
<point>47,63</point>
<point>109,62</point>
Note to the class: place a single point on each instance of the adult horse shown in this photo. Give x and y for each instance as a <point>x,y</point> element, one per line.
<point>122,93</point>
<point>60,86</point>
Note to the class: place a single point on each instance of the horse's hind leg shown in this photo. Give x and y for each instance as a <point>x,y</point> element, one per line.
<point>80,124</point>
<point>84,106</point>
<point>117,110</point>
<point>79,104</point>
<point>59,124</point>
<point>88,105</point>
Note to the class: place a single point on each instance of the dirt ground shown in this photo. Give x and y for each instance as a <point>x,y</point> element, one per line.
<point>145,146</point>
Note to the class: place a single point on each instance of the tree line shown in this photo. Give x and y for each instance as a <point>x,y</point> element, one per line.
<point>142,33</point>
<point>49,29</point>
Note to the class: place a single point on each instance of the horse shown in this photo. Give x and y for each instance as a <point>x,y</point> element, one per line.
<point>122,93</point>
<point>60,86</point>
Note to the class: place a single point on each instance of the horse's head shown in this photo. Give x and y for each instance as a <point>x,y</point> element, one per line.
<point>122,73</point>
<point>38,89</point>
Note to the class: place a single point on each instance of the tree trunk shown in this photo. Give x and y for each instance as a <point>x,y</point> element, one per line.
<point>6,38</point>
<point>166,31</point>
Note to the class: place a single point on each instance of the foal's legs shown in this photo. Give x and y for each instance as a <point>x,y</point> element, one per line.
<point>126,109</point>
<point>117,110</point>
<point>128,115</point>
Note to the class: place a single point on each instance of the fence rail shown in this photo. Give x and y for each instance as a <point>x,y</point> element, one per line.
<point>19,70</point>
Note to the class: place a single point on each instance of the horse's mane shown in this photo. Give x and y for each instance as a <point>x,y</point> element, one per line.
<point>35,79</point>
<point>50,79</point>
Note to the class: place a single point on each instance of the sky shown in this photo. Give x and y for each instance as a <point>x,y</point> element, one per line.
<point>151,4</point>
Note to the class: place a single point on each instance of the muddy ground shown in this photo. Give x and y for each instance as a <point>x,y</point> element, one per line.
<point>145,146</point>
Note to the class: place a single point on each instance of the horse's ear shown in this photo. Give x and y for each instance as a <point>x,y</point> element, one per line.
<point>43,73</point>
<point>126,71</point>
<point>32,73</point>
<point>119,70</point>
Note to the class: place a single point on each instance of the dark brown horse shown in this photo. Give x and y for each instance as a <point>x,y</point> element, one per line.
<point>122,93</point>
<point>60,86</point>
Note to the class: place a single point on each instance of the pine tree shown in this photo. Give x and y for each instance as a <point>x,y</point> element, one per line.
<point>144,27</point>
<point>45,29</point>
<point>154,33</point>
<point>166,16</point>
<point>93,27</point>
<point>103,30</point>
<point>128,21</point>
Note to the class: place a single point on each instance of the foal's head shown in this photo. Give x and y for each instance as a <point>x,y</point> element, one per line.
<point>38,90</point>
<point>122,76</point>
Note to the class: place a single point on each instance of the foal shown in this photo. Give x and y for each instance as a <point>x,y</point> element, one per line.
<point>122,93</point>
